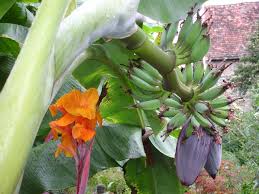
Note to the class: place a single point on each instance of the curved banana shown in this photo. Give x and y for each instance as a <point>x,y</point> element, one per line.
<point>151,70</point>
<point>198,72</point>
<point>148,105</point>
<point>172,103</point>
<point>144,85</point>
<point>145,76</point>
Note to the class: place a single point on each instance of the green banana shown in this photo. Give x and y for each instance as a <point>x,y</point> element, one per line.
<point>207,70</point>
<point>176,97</point>
<point>142,95</point>
<point>144,85</point>
<point>177,121</point>
<point>221,113</point>
<point>201,107</point>
<point>189,130</point>
<point>223,101</point>
<point>172,103</point>
<point>214,92</point>
<point>188,74</point>
<point>219,121</point>
<point>148,105</point>
<point>198,72</point>
<point>209,80</point>
<point>194,122</point>
<point>171,33</point>
<point>219,102</point>
<point>191,37</point>
<point>179,74</point>
<point>151,70</point>
<point>171,112</point>
<point>145,76</point>
<point>184,29</point>
<point>203,121</point>
<point>200,48</point>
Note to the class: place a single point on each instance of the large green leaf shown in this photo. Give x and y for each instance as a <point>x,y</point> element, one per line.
<point>5,5</point>
<point>157,175</point>
<point>45,172</point>
<point>128,141</point>
<point>167,11</point>
<point>18,14</point>
<point>115,106</point>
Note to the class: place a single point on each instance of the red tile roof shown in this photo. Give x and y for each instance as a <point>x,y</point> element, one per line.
<point>232,25</point>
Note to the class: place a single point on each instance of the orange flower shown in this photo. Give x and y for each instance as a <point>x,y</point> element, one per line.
<point>78,121</point>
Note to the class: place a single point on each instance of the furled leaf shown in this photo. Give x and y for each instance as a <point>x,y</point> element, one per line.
<point>167,11</point>
<point>157,175</point>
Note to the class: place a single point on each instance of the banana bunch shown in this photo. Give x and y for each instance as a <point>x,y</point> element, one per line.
<point>146,86</point>
<point>208,108</point>
<point>193,40</point>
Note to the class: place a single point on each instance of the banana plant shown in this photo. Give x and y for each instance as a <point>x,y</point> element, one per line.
<point>151,92</point>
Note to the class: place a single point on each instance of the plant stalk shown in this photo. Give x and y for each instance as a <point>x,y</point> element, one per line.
<point>164,62</point>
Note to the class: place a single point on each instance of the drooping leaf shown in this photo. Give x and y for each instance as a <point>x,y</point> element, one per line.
<point>5,5</point>
<point>9,47</point>
<point>167,11</point>
<point>157,175</point>
<point>167,146</point>
<point>128,141</point>
<point>18,14</point>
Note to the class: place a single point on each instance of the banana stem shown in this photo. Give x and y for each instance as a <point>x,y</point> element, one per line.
<point>164,62</point>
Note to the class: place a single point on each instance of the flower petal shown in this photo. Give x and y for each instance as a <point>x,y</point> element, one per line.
<point>63,121</point>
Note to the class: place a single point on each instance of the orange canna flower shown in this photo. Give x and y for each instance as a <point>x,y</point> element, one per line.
<point>78,120</point>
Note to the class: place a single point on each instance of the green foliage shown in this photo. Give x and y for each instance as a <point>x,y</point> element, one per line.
<point>167,11</point>
<point>5,6</point>
<point>113,143</point>
<point>154,175</point>
<point>247,72</point>
<point>243,139</point>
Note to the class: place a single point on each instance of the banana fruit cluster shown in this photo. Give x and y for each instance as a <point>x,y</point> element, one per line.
<point>193,41</point>
<point>203,119</point>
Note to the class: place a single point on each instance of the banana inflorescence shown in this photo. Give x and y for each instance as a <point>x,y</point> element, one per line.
<point>204,117</point>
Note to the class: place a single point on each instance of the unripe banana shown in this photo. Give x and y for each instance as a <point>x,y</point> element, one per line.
<point>179,74</point>
<point>139,95</point>
<point>148,105</point>
<point>144,85</point>
<point>146,77</point>
<point>198,72</point>
<point>151,70</point>
<point>209,80</point>
<point>201,107</point>
<point>221,113</point>
<point>194,122</point>
<point>172,103</point>
<point>223,101</point>
<point>219,121</point>
<point>214,92</point>
<point>203,121</point>
<point>184,29</point>
<point>171,33</point>
<point>188,74</point>
<point>177,121</point>
<point>192,35</point>
<point>171,112</point>
<point>200,48</point>
<point>176,98</point>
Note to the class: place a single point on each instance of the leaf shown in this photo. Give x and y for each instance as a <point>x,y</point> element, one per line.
<point>155,177</point>
<point>45,172</point>
<point>5,6</point>
<point>9,47</point>
<point>166,147</point>
<point>155,123</point>
<point>167,11</point>
<point>90,72</point>
<point>128,141</point>
<point>18,14</point>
